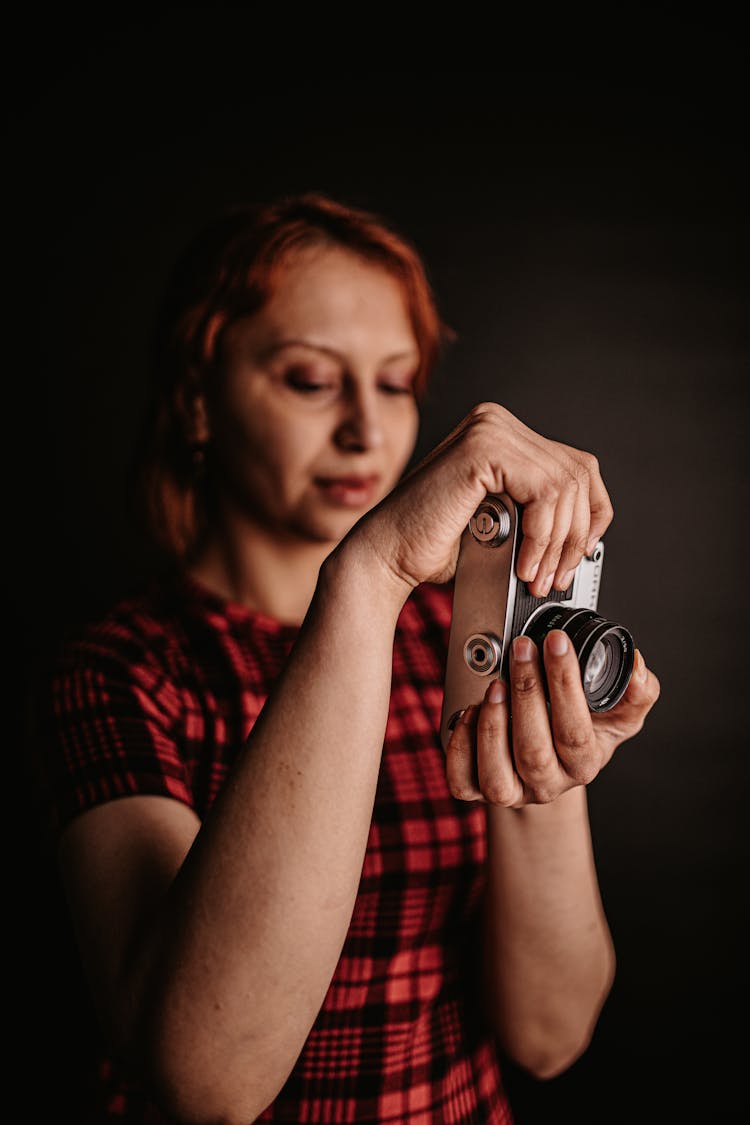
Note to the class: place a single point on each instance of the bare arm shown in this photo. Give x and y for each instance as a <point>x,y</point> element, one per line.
<point>549,959</point>
<point>222,978</point>
<point>211,947</point>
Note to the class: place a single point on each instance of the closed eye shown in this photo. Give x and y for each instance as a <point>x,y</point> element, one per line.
<point>396,388</point>
<point>305,383</point>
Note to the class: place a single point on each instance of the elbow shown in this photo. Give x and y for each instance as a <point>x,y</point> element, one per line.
<point>198,1063</point>
<point>551,1039</point>
<point>219,1079</point>
<point>200,1090</point>
<point>199,1078</point>
<point>547,1057</point>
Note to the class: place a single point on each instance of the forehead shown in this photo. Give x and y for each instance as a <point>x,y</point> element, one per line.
<point>325,289</point>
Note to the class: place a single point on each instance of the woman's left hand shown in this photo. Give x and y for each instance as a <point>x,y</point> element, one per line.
<point>546,750</point>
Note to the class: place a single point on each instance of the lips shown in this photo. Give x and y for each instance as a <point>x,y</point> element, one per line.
<point>349,491</point>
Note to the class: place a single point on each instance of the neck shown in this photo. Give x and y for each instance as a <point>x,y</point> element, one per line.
<point>255,569</point>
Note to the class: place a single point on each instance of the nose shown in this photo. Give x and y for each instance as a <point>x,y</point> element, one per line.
<point>361,427</point>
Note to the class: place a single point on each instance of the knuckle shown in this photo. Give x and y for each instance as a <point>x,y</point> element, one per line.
<point>533,765</point>
<point>578,542</point>
<point>542,542</point>
<point>572,552</point>
<point>454,769</point>
<point>556,545</point>
<point>461,791</point>
<point>583,473</point>
<point>568,474</point>
<point>573,740</point>
<point>459,783</point>
<point>576,478</point>
<point>582,769</point>
<point>496,792</point>
<point>489,729</point>
<point>524,683</point>
<point>542,794</point>
<point>604,511</point>
<point>590,462</point>
<point>486,412</point>
<point>548,489</point>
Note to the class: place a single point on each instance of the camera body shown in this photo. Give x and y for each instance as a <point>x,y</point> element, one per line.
<point>492,606</point>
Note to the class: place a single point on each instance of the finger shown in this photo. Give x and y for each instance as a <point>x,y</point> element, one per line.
<point>563,517</point>
<point>578,537</point>
<point>572,728</point>
<point>537,526</point>
<point>600,510</point>
<point>533,750</point>
<point>600,506</point>
<point>498,780</point>
<point>628,716</point>
<point>460,756</point>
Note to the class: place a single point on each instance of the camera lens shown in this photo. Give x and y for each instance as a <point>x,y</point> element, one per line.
<point>605,650</point>
<point>598,664</point>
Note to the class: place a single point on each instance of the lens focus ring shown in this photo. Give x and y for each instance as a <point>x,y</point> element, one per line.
<point>605,650</point>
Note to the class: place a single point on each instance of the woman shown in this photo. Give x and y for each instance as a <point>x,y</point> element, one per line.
<point>290,903</point>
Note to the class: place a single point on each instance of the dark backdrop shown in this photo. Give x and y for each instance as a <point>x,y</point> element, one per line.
<point>587,237</point>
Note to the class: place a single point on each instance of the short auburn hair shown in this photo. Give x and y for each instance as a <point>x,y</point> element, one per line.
<point>228,272</point>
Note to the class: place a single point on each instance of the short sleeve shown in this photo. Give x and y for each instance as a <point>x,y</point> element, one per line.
<point>112,720</point>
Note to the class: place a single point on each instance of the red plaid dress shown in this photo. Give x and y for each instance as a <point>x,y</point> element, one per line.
<point>157,698</point>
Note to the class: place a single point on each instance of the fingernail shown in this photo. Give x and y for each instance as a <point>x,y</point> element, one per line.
<point>533,573</point>
<point>466,716</point>
<point>496,692</point>
<point>591,545</point>
<point>545,585</point>
<point>523,649</point>
<point>639,667</point>
<point>566,579</point>
<point>557,642</point>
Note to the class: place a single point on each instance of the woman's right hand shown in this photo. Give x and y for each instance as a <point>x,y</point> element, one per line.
<point>415,531</point>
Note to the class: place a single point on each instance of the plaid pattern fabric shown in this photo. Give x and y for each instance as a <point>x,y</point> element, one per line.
<point>157,698</point>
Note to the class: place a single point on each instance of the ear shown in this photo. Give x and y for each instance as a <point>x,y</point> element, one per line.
<point>192,407</point>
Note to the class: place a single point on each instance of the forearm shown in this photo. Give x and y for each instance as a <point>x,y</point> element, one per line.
<point>254,923</point>
<point>549,957</point>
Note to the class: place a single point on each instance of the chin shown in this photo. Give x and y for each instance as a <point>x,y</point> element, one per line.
<point>328,526</point>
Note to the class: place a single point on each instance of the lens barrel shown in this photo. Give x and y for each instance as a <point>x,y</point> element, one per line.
<point>605,650</point>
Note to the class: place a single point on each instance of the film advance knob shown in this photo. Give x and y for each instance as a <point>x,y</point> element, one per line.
<point>490,524</point>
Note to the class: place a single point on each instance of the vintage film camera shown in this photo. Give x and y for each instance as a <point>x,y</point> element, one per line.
<point>491,606</point>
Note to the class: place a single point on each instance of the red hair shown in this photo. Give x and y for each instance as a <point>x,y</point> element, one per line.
<point>228,272</point>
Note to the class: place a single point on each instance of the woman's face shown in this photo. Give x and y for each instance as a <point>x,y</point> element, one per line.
<point>313,418</point>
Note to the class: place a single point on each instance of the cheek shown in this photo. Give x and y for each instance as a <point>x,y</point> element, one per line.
<point>263,448</point>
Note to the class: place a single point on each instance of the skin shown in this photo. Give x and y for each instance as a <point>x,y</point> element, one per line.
<point>211,946</point>
<point>312,423</point>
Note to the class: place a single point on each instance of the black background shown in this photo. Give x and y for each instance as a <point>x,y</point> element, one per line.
<point>586,233</point>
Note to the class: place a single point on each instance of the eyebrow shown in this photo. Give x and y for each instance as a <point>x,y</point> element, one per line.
<point>301,342</point>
